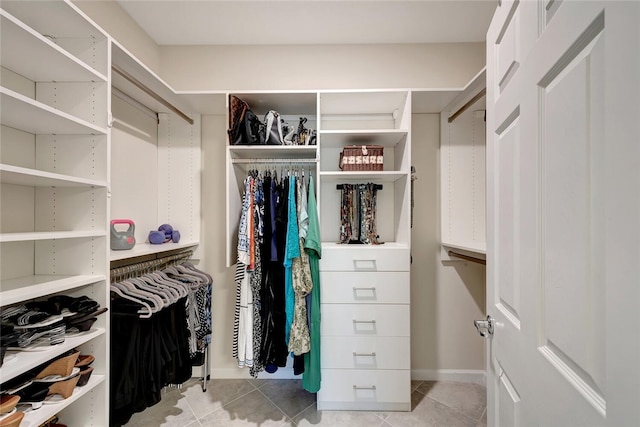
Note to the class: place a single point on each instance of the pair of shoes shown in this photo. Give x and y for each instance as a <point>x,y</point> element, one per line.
<point>55,333</point>
<point>12,420</point>
<point>62,366</point>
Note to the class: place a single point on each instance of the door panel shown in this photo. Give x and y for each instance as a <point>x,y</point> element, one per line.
<point>563,114</point>
<point>571,168</point>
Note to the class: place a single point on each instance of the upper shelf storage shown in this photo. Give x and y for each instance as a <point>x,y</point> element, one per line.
<point>365,110</point>
<point>46,60</point>
<point>70,30</point>
<point>21,112</point>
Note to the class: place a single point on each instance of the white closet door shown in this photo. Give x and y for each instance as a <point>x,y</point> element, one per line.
<point>563,206</point>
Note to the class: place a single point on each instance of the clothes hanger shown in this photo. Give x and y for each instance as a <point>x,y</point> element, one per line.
<point>128,287</point>
<point>162,278</point>
<point>172,294</point>
<point>116,288</point>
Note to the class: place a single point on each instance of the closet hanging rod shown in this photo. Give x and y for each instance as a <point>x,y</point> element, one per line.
<point>467,257</point>
<point>270,161</point>
<point>466,106</point>
<point>149,265</point>
<point>151,93</point>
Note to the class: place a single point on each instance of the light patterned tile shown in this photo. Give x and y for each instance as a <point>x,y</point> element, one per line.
<point>312,417</point>
<point>467,398</point>
<point>288,395</point>
<point>218,394</point>
<point>252,409</point>
<point>428,413</point>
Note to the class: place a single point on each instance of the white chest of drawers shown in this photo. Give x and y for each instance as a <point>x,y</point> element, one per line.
<point>365,328</point>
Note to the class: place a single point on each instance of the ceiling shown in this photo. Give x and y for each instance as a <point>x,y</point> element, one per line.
<point>264,22</point>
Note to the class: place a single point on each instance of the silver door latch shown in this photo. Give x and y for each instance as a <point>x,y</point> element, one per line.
<point>485,327</point>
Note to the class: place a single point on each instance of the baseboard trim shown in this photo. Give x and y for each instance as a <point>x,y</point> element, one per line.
<point>458,375</point>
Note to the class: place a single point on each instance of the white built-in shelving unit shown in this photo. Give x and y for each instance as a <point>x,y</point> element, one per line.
<point>462,172</point>
<point>54,103</point>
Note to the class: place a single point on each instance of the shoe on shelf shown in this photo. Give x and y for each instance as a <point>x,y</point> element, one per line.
<point>82,304</point>
<point>61,366</point>
<point>84,360</point>
<point>7,403</point>
<point>12,420</point>
<point>55,333</point>
<point>85,374</point>
<point>64,387</point>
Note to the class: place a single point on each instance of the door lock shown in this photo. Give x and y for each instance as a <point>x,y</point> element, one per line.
<point>485,327</point>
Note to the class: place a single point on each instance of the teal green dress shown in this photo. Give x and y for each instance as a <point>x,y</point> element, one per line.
<point>313,246</point>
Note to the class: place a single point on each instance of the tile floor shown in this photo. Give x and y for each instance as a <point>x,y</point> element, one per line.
<point>272,402</point>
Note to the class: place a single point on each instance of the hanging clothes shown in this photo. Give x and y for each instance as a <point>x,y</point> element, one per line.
<point>158,324</point>
<point>311,378</point>
<point>299,342</point>
<point>292,251</point>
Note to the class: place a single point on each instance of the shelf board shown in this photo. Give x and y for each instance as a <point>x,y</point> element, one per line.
<point>20,112</point>
<point>383,176</point>
<point>273,151</point>
<point>471,249</point>
<point>36,178</point>
<point>291,103</point>
<point>29,359</point>
<point>46,411</point>
<point>61,19</point>
<point>24,288</point>
<point>362,102</point>
<point>340,138</point>
<point>49,235</point>
<point>45,61</point>
<point>142,249</point>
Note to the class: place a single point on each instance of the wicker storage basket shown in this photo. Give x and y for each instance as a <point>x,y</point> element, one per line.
<point>362,158</point>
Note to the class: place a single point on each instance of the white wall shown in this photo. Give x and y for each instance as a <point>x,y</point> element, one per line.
<point>229,68</point>
<point>445,296</point>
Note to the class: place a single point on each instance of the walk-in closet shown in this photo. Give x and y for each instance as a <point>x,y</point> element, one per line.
<point>368,213</point>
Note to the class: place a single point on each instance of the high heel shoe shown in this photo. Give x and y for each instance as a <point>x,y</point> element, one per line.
<point>7,403</point>
<point>12,420</point>
<point>32,393</point>
<point>64,387</point>
<point>62,366</point>
<point>84,376</point>
<point>84,360</point>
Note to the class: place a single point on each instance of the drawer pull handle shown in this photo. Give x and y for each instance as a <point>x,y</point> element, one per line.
<point>355,387</point>
<point>372,289</point>
<point>365,264</point>
<point>364,321</point>
<point>364,354</point>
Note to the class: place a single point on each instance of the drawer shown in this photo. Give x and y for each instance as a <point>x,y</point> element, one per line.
<point>365,320</point>
<point>387,287</point>
<point>366,352</point>
<point>362,389</point>
<point>365,258</point>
